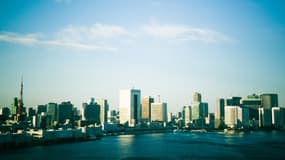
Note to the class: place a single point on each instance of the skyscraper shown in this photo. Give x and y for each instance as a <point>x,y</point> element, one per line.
<point>253,103</point>
<point>20,104</point>
<point>220,113</point>
<point>146,108</point>
<point>265,117</point>
<point>231,116</point>
<point>104,107</point>
<point>65,112</point>
<point>20,109</point>
<point>197,97</point>
<point>31,113</point>
<point>233,101</point>
<point>220,109</point>
<point>91,112</point>
<point>130,107</point>
<point>187,115</point>
<point>14,106</point>
<point>159,112</point>
<point>269,100</point>
<point>51,111</point>
<point>199,110</point>
<point>276,117</point>
<point>41,108</point>
<point>169,117</point>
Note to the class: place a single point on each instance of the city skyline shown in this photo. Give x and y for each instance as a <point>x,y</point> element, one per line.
<point>89,49</point>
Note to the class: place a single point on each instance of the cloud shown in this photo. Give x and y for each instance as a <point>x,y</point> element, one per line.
<point>108,37</point>
<point>185,33</point>
<point>40,39</point>
<point>29,39</point>
<point>94,37</point>
<point>93,32</point>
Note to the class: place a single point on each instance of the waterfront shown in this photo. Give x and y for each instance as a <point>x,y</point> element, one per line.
<point>211,145</point>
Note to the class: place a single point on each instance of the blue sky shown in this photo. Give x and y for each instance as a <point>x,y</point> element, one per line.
<point>74,50</point>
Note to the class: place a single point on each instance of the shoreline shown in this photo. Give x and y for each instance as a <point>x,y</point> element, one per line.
<point>42,142</point>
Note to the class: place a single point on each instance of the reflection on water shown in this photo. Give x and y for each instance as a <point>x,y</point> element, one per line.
<point>252,145</point>
<point>124,141</point>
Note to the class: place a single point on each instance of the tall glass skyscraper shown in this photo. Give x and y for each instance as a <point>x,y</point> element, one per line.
<point>130,107</point>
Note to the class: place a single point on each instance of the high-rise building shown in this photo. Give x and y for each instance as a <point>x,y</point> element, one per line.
<point>199,110</point>
<point>231,116</point>
<point>187,115</point>
<point>253,103</point>
<point>31,113</point>
<point>159,112</point>
<point>269,100</point>
<point>14,106</point>
<point>276,117</point>
<point>210,120</point>
<point>169,117</point>
<point>146,108</point>
<point>233,101</point>
<point>51,112</point>
<point>282,117</point>
<point>65,112</point>
<point>104,107</point>
<point>91,112</point>
<point>243,117</point>
<point>197,97</point>
<point>220,113</point>
<point>220,109</point>
<point>41,108</point>
<point>113,117</point>
<point>265,117</point>
<point>5,112</point>
<point>236,117</point>
<point>130,107</point>
<point>20,109</point>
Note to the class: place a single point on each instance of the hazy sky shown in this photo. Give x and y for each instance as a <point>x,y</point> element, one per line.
<point>77,49</point>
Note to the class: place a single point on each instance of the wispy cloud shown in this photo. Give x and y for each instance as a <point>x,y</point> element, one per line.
<point>29,39</point>
<point>93,32</point>
<point>109,37</point>
<point>39,39</point>
<point>94,37</point>
<point>185,33</point>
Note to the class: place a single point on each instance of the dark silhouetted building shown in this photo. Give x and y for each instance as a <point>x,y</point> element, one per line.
<point>91,112</point>
<point>41,109</point>
<point>65,112</point>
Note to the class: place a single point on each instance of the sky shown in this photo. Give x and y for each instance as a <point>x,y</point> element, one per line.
<point>72,50</point>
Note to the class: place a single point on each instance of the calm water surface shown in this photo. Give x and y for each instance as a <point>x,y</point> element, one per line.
<point>254,145</point>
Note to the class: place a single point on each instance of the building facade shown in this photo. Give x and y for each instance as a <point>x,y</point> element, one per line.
<point>65,112</point>
<point>104,107</point>
<point>187,116</point>
<point>269,100</point>
<point>146,108</point>
<point>236,117</point>
<point>159,112</point>
<point>130,107</point>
